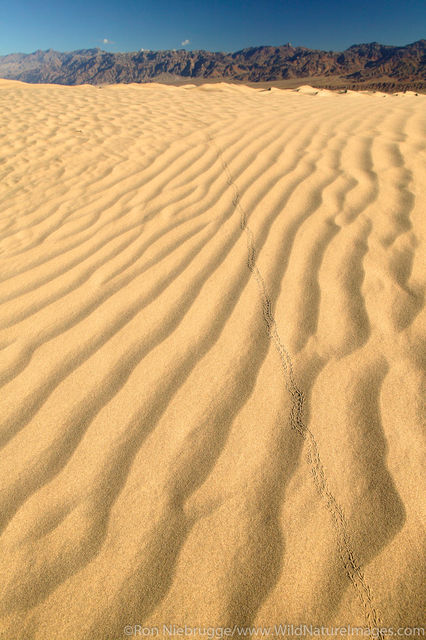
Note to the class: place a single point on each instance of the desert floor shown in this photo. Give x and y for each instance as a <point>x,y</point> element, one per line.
<point>211,366</point>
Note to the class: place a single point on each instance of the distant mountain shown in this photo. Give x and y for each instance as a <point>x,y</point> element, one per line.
<point>362,65</point>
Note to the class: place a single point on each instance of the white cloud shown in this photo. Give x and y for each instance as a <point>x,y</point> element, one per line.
<point>107,41</point>
<point>184,43</point>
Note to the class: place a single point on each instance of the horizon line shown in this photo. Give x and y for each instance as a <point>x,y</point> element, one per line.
<point>260,46</point>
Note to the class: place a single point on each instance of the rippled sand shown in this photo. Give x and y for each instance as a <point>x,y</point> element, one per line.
<point>211,365</point>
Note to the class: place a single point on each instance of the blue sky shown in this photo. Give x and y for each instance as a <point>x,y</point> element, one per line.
<point>217,25</point>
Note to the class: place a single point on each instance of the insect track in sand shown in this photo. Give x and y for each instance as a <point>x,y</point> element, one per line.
<point>347,556</point>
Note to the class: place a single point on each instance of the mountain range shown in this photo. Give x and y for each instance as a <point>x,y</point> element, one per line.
<point>361,66</point>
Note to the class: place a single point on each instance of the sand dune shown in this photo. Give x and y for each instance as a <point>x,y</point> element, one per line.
<point>211,329</point>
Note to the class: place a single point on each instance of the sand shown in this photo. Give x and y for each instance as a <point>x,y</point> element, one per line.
<point>211,332</point>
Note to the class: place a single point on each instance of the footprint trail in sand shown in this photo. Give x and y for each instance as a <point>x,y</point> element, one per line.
<point>211,329</point>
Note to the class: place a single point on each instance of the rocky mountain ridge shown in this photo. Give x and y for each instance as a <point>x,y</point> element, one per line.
<point>359,66</point>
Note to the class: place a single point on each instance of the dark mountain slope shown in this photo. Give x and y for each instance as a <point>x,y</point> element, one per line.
<point>360,65</point>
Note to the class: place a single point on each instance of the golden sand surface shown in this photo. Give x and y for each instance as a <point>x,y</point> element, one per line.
<point>211,358</point>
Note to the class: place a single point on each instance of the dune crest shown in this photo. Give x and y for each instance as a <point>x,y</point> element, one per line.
<point>211,318</point>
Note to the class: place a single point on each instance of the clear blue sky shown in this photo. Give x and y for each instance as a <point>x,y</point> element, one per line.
<point>217,25</point>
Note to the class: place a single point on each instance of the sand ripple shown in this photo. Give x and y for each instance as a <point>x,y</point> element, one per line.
<point>211,358</point>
